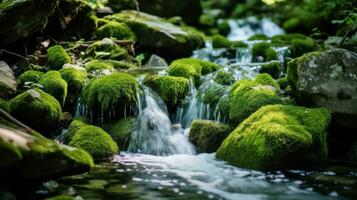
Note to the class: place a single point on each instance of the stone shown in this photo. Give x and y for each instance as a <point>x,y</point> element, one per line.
<point>7,81</point>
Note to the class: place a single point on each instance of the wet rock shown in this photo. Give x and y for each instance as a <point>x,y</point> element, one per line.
<point>7,81</point>
<point>121,131</point>
<point>21,18</point>
<point>27,155</point>
<point>159,36</point>
<point>156,61</point>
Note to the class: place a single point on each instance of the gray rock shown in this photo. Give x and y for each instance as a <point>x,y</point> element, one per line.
<point>7,80</point>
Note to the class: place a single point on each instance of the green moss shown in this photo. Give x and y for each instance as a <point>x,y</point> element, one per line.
<point>239,44</point>
<point>213,94</point>
<point>116,30</point>
<point>72,129</point>
<point>258,37</point>
<point>75,79</point>
<point>292,24</point>
<point>54,84</point>
<point>4,105</point>
<point>29,76</point>
<point>225,78</point>
<point>121,131</point>
<point>283,82</point>
<point>96,65</point>
<point>277,137</point>
<point>219,41</point>
<point>191,68</point>
<point>264,50</point>
<point>171,89</point>
<point>272,68</point>
<point>120,65</point>
<point>107,49</point>
<point>223,107</point>
<point>300,46</point>
<point>95,141</point>
<point>247,96</point>
<point>207,20</point>
<point>223,27</point>
<point>36,109</point>
<point>57,57</point>
<point>110,96</point>
<point>285,40</point>
<point>207,136</point>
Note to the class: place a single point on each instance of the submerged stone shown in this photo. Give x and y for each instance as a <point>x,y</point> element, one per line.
<point>278,137</point>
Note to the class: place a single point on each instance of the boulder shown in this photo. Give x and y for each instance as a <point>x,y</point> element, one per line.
<point>159,36</point>
<point>27,155</point>
<point>278,137</point>
<point>21,18</point>
<point>327,79</point>
<point>7,81</point>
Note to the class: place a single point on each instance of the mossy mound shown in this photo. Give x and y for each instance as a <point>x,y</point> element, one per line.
<point>247,96</point>
<point>171,89</point>
<point>272,68</point>
<point>213,93</point>
<point>224,78</point>
<point>239,44</point>
<point>285,39</point>
<point>191,68</point>
<point>121,131</point>
<point>36,109</point>
<point>110,96</point>
<point>57,57</point>
<point>29,76</point>
<point>264,50</point>
<point>121,65</point>
<point>277,137</point>
<point>54,85</point>
<point>258,37</point>
<point>207,135</point>
<point>97,66</point>
<point>72,129</point>
<point>219,41</point>
<point>95,141</point>
<point>107,49</point>
<point>299,47</point>
<point>4,104</point>
<point>116,30</point>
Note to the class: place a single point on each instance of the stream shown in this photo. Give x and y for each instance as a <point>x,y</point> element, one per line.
<point>162,164</point>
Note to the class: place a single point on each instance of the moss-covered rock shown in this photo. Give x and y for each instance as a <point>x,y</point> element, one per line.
<point>272,68</point>
<point>57,57</point>
<point>116,30</point>
<point>224,78</point>
<point>213,94</point>
<point>258,37</point>
<point>110,96</point>
<point>159,36</point>
<point>121,65</point>
<point>264,50</point>
<point>171,89</point>
<point>95,141</point>
<point>121,131</point>
<point>247,96</point>
<point>219,41</point>
<point>37,109</point>
<point>223,27</point>
<point>4,105</point>
<point>98,66</point>
<point>283,83</point>
<point>191,68</point>
<point>28,156</point>
<point>72,129</point>
<point>54,85</point>
<point>286,39</point>
<point>300,46</point>
<point>277,137</point>
<point>29,76</point>
<point>207,136</point>
<point>107,49</point>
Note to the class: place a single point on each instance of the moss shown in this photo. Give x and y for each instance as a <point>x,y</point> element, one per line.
<point>121,131</point>
<point>300,46</point>
<point>283,82</point>
<point>171,89</point>
<point>258,37</point>
<point>116,30</point>
<point>75,79</point>
<point>239,44</point>
<point>95,141</point>
<point>225,78</point>
<point>29,76</point>
<point>207,136</point>
<point>277,137</point>
<point>110,96</point>
<point>207,20</point>
<point>191,68</point>
<point>247,96</point>
<point>292,24</point>
<point>57,57</point>
<point>107,49</point>
<point>213,94</point>
<point>219,41</point>
<point>72,129</point>
<point>61,197</point>
<point>264,50</point>
<point>120,65</point>
<point>223,27</point>
<point>272,68</point>
<point>285,40</point>
<point>223,106</point>
<point>4,105</point>
<point>36,109</point>
<point>54,84</point>
<point>97,65</point>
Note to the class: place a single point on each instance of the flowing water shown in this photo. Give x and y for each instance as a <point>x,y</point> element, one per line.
<point>161,163</point>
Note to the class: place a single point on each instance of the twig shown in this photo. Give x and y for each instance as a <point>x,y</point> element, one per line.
<point>14,54</point>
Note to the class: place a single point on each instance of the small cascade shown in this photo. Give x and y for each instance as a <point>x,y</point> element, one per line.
<point>155,133</point>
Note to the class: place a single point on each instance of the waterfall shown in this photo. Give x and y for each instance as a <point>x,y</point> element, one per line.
<point>155,133</point>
